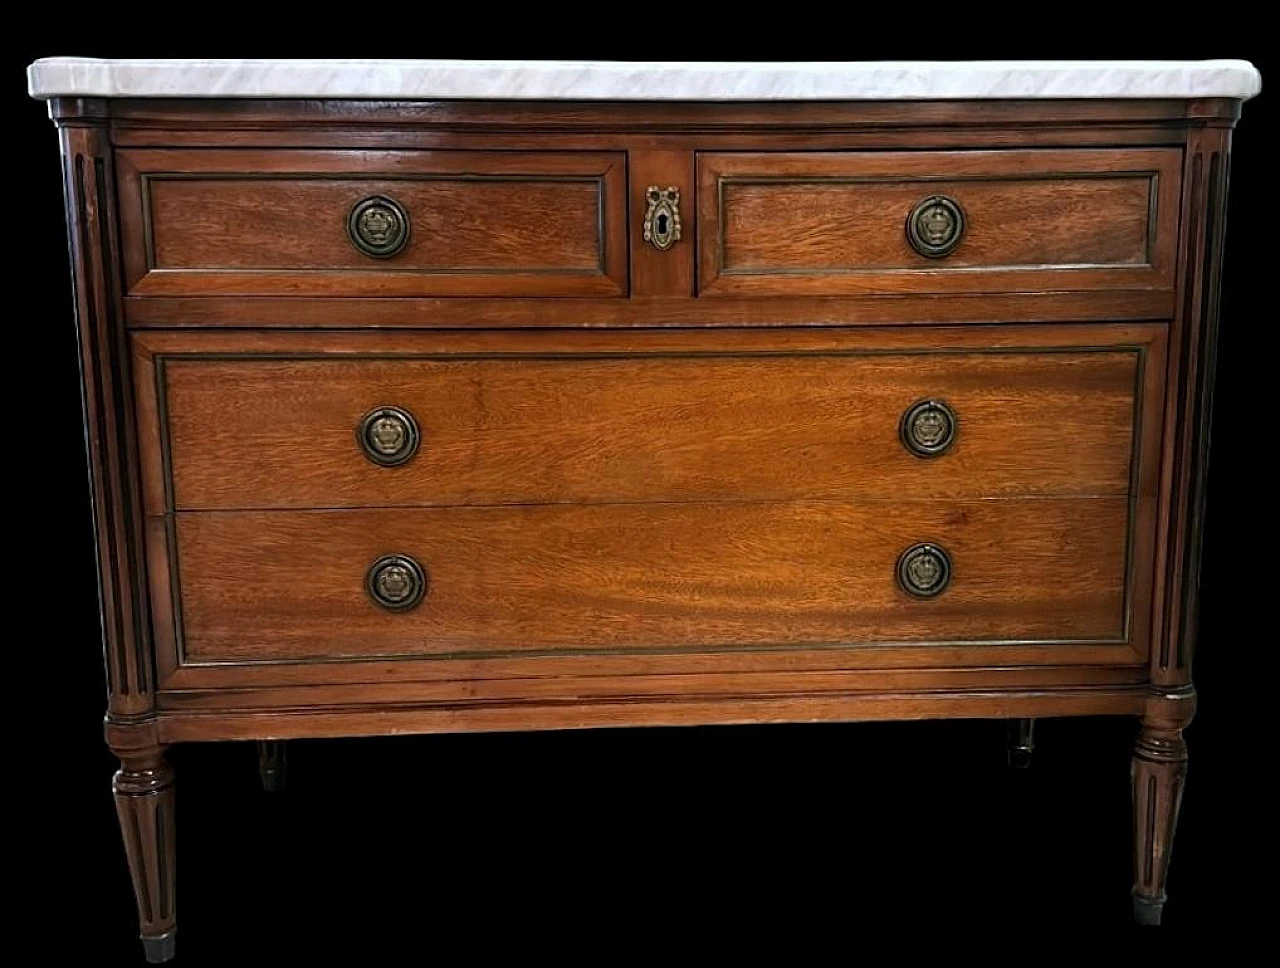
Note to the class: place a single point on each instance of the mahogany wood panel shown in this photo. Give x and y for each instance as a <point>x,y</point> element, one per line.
<point>290,585</point>
<point>176,117</point>
<point>244,222</point>
<point>645,688</point>
<point>364,720</point>
<point>1189,403</point>
<point>259,432</point>
<point>833,223</point>
<point>649,312</point>
<point>476,675</point>
<point>111,437</point>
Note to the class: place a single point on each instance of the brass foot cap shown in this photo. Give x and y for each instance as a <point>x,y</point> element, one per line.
<point>161,949</point>
<point>1147,910</point>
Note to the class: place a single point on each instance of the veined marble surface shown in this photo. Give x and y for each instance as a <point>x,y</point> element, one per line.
<point>637,81</point>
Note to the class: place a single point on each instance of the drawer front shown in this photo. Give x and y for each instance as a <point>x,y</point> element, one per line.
<point>848,223</point>
<point>609,419</point>
<point>373,223</point>
<point>294,585</point>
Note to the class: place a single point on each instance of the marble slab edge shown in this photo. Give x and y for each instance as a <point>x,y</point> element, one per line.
<point>637,81</point>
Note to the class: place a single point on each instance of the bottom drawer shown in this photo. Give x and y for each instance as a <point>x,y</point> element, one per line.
<point>542,580</point>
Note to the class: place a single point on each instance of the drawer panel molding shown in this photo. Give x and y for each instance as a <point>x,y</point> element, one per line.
<point>242,222</point>
<point>863,223</point>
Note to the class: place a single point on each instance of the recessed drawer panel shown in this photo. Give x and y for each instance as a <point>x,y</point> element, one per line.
<point>373,223</point>
<point>304,585</point>
<point>366,421</point>
<point>848,223</point>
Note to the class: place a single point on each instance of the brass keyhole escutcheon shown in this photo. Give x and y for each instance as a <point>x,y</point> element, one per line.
<point>662,217</point>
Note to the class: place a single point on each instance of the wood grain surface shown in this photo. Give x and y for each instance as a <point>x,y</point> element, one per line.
<point>264,223</point>
<point>257,432</point>
<point>723,414</point>
<point>833,223</point>
<point>290,585</point>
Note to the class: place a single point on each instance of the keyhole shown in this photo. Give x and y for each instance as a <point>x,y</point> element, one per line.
<point>662,224</point>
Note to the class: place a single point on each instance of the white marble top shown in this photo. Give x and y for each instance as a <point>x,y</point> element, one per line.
<point>637,81</point>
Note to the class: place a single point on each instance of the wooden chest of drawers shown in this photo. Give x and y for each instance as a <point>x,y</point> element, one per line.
<point>431,415</point>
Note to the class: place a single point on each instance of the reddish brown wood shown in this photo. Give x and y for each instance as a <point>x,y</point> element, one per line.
<point>290,585</point>
<point>692,521</point>
<point>564,424</point>
<point>643,688</point>
<point>833,224</point>
<point>178,117</point>
<point>364,720</point>
<point>1160,755</point>
<point>143,786</point>
<point>162,312</point>
<point>275,222</point>
<point>1193,342</point>
<point>108,402</point>
<point>143,790</point>
<point>653,272</point>
<point>1159,776</point>
<point>702,671</point>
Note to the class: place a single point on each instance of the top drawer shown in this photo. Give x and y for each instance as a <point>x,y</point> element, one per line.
<point>847,223</point>
<point>247,222</point>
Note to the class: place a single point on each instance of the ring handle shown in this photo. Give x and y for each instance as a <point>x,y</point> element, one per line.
<point>378,226</point>
<point>935,226</point>
<point>396,582</point>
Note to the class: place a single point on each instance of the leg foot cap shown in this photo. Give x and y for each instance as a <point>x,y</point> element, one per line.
<point>1147,910</point>
<point>161,949</point>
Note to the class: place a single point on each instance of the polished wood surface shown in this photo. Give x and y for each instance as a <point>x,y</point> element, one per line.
<point>275,222</point>
<point>277,429</point>
<point>144,795</point>
<point>833,223</point>
<point>272,585</point>
<point>654,487</point>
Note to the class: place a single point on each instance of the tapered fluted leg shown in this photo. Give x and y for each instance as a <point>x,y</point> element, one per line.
<point>144,800</point>
<point>273,764</point>
<point>1159,774</point>
<point>1022,742</point>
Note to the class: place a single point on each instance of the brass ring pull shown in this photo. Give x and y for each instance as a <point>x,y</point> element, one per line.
<point>928,428</point>
<point>924,570</point>
<point>388,436</point>
<point>935,226</point>
<point>396,582</point>
<point>662,217</point>
<point>378,226</point>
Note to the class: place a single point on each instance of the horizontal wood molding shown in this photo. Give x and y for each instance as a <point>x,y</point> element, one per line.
<point>704,116</point>
<point>653,687</point>
<point>375,721</point>
<point>285,312</point>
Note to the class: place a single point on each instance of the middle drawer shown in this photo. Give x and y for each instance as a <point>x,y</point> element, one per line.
<point>374,420</point>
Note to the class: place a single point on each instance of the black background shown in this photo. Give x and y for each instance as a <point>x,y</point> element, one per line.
<point>632,838</point>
